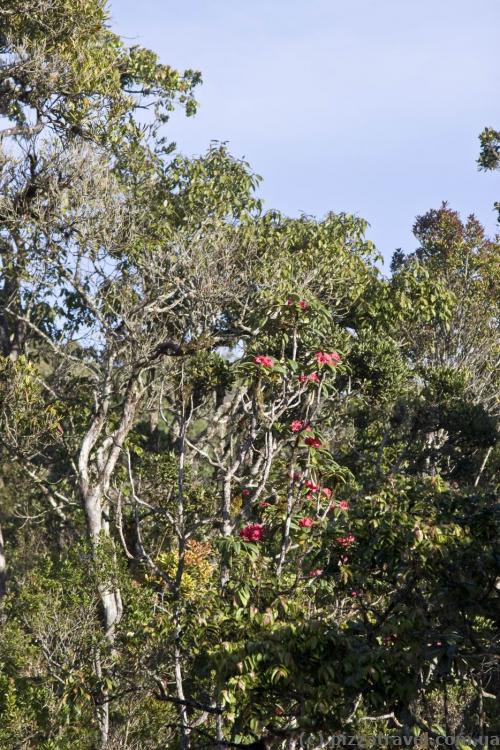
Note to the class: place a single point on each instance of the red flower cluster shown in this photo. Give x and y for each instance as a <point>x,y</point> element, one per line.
<point>346,541</point>
<point>343,505</point>
<point>311,486</point>
<point>253,532</point>
<point>302,303</point>
<point>327,492</point>
<point>325,358</point>
<point>264,504</point>
<point>264,360</point>
<point>313,442</point>
<point>306,522</point>
<point>315,573</point>
<point>312,378</point>
<point>246,492</point>
<point>298,425</point>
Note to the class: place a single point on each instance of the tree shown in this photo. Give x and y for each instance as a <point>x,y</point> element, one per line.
<point>489,155</point>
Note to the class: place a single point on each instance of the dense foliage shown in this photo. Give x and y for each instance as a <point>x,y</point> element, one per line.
<point>247,481</point>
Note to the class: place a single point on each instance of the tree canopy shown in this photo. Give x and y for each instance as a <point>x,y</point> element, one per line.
<point>248,483</point>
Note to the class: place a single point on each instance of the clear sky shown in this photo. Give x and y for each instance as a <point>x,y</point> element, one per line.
<point>368,106</point>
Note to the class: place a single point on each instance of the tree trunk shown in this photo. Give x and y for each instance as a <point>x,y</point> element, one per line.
<point>94,494</point>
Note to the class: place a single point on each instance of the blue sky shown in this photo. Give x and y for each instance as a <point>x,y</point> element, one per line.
<point>368,106</point>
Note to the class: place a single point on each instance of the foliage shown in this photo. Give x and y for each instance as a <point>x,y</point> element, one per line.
<point>248,483</point>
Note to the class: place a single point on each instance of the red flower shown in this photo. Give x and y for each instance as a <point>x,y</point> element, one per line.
<point>264,504</point>
<point>246,492</point>
<point>315,573</point>
<point>344,559</point>
<point>298,425</point>
<point>311,486</point>
<point>327,492</point>
<point>312,378</point>
<point>302,303</point>
<point>355,594</point>
<point>343,505</point>
<point>306,522</point>
<point>253,532</point>
<point>325,358</point>
<point>346,541</point>
<point>313,442</point>
<point>264,360</point>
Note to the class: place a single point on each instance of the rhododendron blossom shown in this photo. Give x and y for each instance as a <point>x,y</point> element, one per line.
<point>313,442</point>
<point>325,358</point>
<point>343,505</point>
<point>311,486</point>
<point>264,504</point>
<point>316,572</point>
<point>302,303</point>
<point>327,492</point>
<point>253,532</point>
<point>298,425</point>
<point>246,492</point>
<point>264,360</point>
<point>313,377</point>
<point>306,522</point>
<point>346,541</point>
